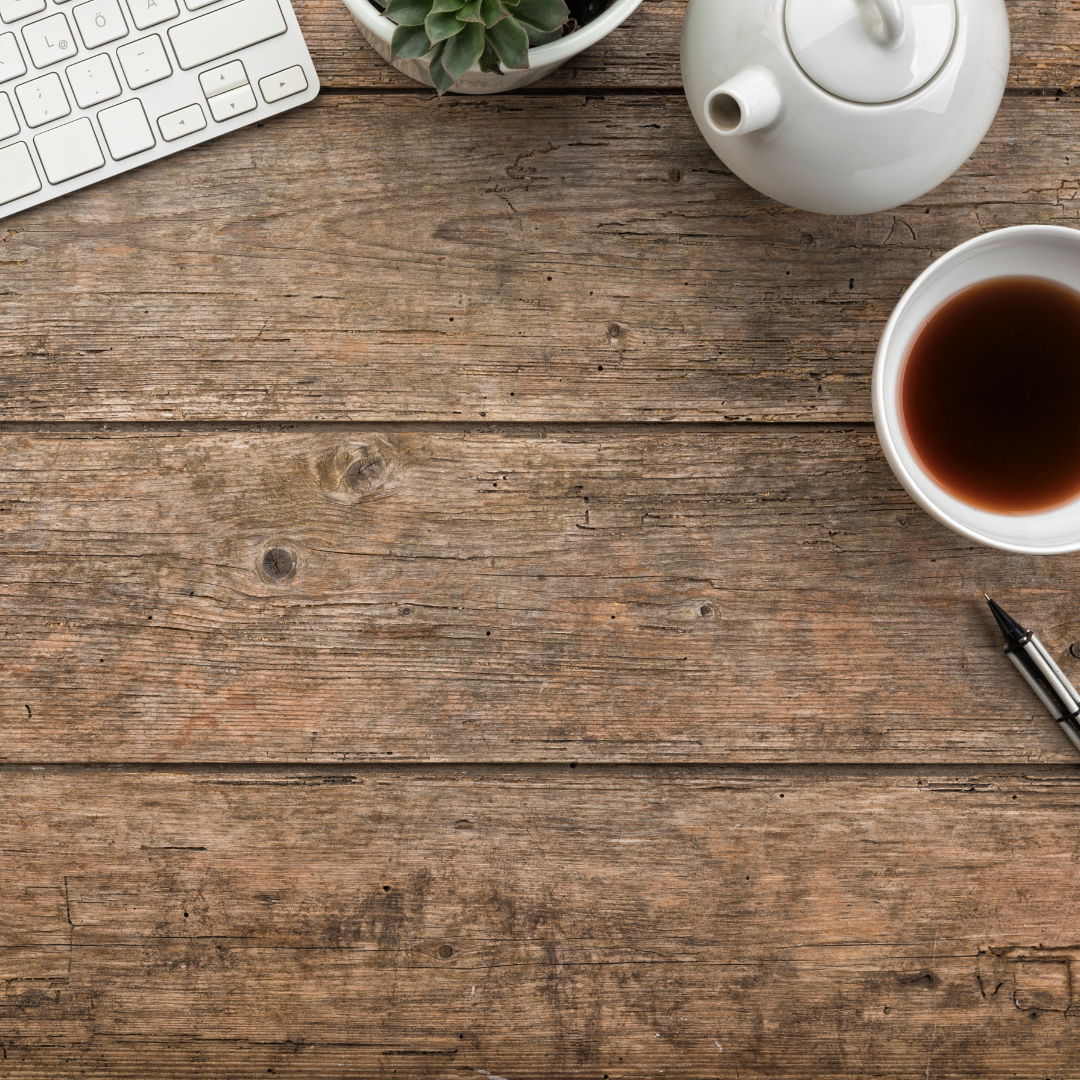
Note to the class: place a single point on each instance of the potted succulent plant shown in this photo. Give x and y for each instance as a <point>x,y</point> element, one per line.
<point>484,46</point>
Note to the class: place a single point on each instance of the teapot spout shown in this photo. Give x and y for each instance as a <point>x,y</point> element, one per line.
<point>749,101</point>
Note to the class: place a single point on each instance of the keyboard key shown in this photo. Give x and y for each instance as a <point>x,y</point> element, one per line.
<point>11,10</point>
<point>283,84</point>
<point>147,13</point>
<point>11,61</point>
<point>100,22</point>
<point>93,81</point>
<point>237,26</point>
<point>218,80</point>
<point>126,129</point>
<point>69,150</point>
<point>43,99</point>
<point>18,177</point>
<point>225,106</point>
<point>182,122</point>
<point>144,61</point>
<point>49,40</point>
<point>9,125</point>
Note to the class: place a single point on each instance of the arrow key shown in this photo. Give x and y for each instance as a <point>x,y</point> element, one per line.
<point>184,121</point>
<point>221,80</point>
<point>283,84</point>
<point>226,106</point>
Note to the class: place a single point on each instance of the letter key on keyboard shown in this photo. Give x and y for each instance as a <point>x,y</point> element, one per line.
<point>11,61</point>
<point>100,22</point>
<point>8,124</point>
<point>87,93</point>
<point>49,40</point>
<point>147,13</point>
<point>11,10</point>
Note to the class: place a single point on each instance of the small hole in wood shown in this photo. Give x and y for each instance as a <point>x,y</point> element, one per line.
<point>445,952</point>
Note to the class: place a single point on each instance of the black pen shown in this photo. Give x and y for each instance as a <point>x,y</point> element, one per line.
<point>1040,672</point>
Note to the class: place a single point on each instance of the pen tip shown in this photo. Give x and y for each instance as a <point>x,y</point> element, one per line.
<point>1012,630</point>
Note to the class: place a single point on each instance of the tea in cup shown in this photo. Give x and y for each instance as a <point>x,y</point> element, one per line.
<point>977,389</point>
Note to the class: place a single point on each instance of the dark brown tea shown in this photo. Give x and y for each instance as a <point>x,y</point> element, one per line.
<point>990,395</point>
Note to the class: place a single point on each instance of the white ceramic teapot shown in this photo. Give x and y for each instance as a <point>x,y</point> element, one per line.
<point>844,106</point>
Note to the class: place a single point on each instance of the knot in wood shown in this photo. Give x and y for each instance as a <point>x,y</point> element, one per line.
<point>277,564</point>
<point>445,952</point>
<point>367,472</point>
<point>348,471</point>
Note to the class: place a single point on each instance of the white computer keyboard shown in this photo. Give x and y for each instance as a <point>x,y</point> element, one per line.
<point>92,89</point>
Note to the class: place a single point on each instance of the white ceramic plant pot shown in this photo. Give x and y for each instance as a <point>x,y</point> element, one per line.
<point>543,59</point>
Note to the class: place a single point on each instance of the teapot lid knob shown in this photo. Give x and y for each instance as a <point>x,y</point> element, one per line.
<point>870,50</point>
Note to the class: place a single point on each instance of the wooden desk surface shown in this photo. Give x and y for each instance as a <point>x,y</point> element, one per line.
<point>620,714</point>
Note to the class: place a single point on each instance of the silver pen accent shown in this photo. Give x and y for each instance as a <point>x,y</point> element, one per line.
<point>1041,673</point>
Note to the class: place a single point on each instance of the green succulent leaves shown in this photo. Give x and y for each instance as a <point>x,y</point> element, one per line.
<point>456,34</point>
<point>543,14</point>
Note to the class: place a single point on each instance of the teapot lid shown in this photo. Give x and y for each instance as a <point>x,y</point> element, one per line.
<point>870,50</point>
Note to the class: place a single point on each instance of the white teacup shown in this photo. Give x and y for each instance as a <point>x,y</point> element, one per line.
<point>1045,251</point>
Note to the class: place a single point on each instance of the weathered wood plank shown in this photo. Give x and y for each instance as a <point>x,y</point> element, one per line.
<point>546,922</point>
<point>644,51</point>
<point>380,257</point>
<point>524,594</point>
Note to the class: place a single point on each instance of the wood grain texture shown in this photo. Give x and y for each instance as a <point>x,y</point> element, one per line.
<point>597,594</point>
<point>644,51</point>
<point>540,923</point>
<point>540,258</point>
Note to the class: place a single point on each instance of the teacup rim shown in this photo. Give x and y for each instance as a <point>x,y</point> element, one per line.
<point>915,485</point>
